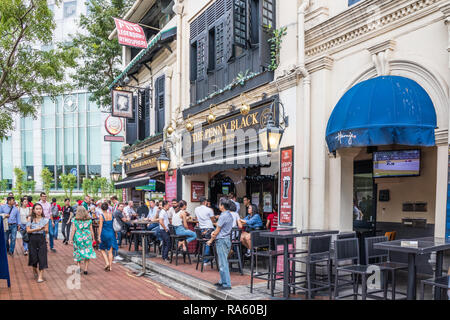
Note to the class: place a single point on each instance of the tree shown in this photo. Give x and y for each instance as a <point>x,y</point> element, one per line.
<point>86,185</point>
<point>32,186</point>
<point>47,180</point>
<point>26,72</point>
<point>100,58</point>
<point>3,185</point>
<point>104,186</point>
<point>19,174</point>
<point>96,184</point>
<point>68,183</point>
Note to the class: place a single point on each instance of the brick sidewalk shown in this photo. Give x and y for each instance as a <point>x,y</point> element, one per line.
<point>119,284</point>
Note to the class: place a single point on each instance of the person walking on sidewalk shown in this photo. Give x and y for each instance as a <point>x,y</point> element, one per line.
<point>37,227</point>
<point>12,213</point>
<point>56,210</point>
<point>223,243</point>
<point>164,230</point>
<point>24,212</point>
<point>107,240</point>
<point>82,237</point>
<point>68,213</point>
<point>47,209</point>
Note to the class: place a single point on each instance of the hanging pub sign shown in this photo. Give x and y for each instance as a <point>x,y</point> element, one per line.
<point>113,125</point>
<point>122,104</point>
<point>130,34</point>
<point>286,185</point>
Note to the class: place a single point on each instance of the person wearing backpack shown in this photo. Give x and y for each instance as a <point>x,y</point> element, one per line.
<point>56,211</point>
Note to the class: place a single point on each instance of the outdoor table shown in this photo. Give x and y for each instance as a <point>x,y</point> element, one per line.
<point>136,224</point>
<point>285,235</point>
<point>144,234</point>
<point>425,245</point>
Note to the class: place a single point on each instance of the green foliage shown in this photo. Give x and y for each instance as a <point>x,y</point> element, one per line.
<point>275,45</point>
<point>19,174</point>
<point>25,70</point>
<point>96,184</point>
<point>32,184</point>
<point>47,180</point>
<point>86,185</point>
<point>100,58</point>
<point>4,185</point>
<point>104,186</point>
<point>68,183</point>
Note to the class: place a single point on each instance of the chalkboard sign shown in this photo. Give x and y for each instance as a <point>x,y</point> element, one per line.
<point>4,269</point>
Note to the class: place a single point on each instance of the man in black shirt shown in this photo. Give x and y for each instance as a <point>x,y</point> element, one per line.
<point>68,214</point>
<point>142,211</point>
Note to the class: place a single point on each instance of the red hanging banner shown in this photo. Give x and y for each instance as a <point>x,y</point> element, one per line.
<point>130,34</point>
<point>286,185</point>
<point>171,186</point>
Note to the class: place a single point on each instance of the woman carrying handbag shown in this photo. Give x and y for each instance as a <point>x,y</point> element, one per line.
<point>24,212</point>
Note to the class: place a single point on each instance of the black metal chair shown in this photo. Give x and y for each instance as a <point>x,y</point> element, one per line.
<point>175,240</point>
<point>383,261</point>
<point>441,282</point>
<point>346,235</point>
<point>259,243</point>
<point>318,256</point>
<point>201,253</point>
<point>346,250</point>
<point>236,247</point>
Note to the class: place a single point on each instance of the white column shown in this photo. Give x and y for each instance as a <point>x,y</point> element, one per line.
<point>441,191</point>
<point>340,211</point>
<point>106,151</point>
<point>37,150</point>
<point>16,147</point>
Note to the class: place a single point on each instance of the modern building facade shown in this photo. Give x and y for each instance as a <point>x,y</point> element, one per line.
<point>67,134</point>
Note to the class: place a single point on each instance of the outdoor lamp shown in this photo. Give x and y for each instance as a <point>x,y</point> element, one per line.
<point>245,109</point>
<point>163,160</point>
<point>270,136</point>
<point>115,175</point>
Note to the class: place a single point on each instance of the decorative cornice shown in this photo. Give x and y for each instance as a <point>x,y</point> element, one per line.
<point>323,62</point>
<point>382,47</point>
<point>359,22</point>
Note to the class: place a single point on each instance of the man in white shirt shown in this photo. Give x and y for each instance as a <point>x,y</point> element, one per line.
<point>205,217</point>
<point>232,197</point>
<point>152,215</point>
<point>129,210</point>
<point>172,208</point>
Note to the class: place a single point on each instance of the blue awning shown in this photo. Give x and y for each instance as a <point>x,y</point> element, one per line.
<point>382,111</point>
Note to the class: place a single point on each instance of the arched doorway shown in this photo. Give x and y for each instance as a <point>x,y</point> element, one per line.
<point>220,186</point>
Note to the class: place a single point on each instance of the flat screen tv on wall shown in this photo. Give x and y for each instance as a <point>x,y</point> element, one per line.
<point>399,163</point>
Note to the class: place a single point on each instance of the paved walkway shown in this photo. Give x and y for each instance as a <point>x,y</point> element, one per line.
<point>119,284</point>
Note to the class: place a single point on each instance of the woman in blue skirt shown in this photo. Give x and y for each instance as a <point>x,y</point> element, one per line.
<point>107,240</point>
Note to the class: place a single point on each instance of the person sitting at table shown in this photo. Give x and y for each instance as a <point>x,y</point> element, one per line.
<point>142,210</point>
<point>206,219</point>
<point>251,222</point>
<point>179,221</point>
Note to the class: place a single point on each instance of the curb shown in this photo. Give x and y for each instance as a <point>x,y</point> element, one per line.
<point>193,283</point>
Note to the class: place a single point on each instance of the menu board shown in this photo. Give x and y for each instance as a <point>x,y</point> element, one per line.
<point>286,185</point>
<point>197,190</point>
<point>267,198</point>
<point>171,186</point>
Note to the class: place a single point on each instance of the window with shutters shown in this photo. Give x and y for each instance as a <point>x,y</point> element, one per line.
<point>240,23</point>
<point>160,104</point>
<point>201,58</point>
<point>219,44</point>
<point>226,39</point>
<point>268,13</point>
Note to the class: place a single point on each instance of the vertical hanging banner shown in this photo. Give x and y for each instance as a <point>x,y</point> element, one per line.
<point>171,186</point>
<point>286,186</point>
<point>4,269</point>
<point>130,34</point>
